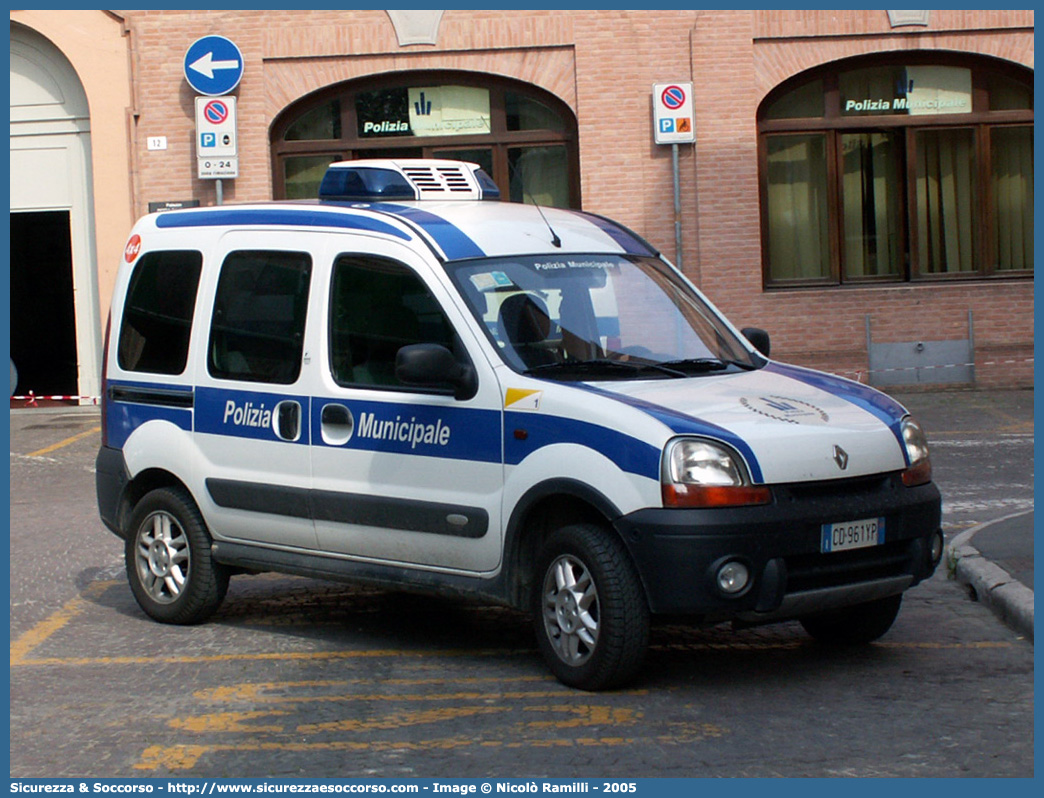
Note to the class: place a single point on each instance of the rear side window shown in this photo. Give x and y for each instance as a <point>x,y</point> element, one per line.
<point>257,331</point>
<point>157,314</point>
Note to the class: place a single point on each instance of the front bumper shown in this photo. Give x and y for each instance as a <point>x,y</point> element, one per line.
<point>678,551</point>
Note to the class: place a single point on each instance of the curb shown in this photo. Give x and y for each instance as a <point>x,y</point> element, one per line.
<point>1009,599</point>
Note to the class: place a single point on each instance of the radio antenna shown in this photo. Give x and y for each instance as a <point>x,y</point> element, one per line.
<point>555,240</point>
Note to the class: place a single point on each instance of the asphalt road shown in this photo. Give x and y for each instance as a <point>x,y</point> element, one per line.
<point>301,678</point>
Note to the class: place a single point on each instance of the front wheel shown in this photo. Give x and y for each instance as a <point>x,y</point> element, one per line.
<point>589,610</point>
<point>861,623</point>
<point>167,555</point>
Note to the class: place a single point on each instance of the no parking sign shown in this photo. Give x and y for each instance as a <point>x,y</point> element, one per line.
<point>216,146</point>
<point>673,113</point>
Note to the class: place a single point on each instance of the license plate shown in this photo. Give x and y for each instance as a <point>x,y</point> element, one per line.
<point>850,535</point>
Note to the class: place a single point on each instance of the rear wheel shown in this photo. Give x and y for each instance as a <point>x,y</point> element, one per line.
<point>862,623</point>
<point>589,610</point>
<point>167,556</point>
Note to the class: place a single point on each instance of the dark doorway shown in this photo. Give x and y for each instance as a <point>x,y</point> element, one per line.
<point>43,319</point>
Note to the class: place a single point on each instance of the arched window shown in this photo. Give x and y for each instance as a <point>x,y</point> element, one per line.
<point>899,167</point>
<point>524,137</point>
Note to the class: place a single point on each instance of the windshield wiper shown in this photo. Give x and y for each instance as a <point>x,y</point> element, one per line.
<point>697,364</point>
<point>601,363</point>
<point>707,364</point>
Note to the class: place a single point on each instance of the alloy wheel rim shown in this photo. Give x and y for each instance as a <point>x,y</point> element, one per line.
<point>571,610</point>
<point>162,557</point>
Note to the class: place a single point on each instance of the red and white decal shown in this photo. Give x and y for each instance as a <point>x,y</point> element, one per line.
<point>133,248</point>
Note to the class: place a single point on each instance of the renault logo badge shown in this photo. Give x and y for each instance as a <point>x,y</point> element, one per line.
<point>840,457</point>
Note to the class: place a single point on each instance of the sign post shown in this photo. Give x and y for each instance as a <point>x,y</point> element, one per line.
<point>674,124</point>
<point>213,67</point>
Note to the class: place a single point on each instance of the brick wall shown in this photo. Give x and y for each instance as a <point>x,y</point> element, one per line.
<point>603,64</point>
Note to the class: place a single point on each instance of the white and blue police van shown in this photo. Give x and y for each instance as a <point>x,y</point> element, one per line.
<point>406,384</point>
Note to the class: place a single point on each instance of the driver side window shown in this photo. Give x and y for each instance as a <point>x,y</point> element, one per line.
<point>379,306</point>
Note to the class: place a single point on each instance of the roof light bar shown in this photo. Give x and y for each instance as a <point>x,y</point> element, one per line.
<point>382,180</point>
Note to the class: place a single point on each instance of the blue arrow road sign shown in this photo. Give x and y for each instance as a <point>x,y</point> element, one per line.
<point>213,65</point>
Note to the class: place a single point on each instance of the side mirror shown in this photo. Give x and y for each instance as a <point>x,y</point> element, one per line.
<point>434,366</point>
<point>758,338</point>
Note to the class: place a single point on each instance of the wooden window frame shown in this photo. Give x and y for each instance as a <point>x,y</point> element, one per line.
<point>833,125</point>
<point>499,140</point>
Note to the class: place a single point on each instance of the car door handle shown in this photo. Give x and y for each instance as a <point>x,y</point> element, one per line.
<point>337,424</point>
<point>288,420</point>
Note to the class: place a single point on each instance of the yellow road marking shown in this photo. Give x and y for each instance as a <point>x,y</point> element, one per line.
<point>55,446</point>
<point>286,656</point>
<point>400,720</point>
<point>185,757</point>
<point>22,649</point>
<point>511,695</point>
<point>227,722</point>
<point>570,717</point>
<point>261,722</point>
<point>29,640</point>
<point>256,692</point>
<point>585,715</point>
<point>243,693</point>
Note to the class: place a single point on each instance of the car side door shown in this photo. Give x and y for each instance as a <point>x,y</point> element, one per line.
<point>403,474</point>
<point>252,396</point>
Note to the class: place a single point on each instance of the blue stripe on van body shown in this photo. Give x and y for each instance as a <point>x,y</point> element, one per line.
<point>443,431</point>
<point>123,416</point>
<point>277,216</point>
<point>683,424</point>
<point>628,453</point>
<point>446,431</point>
<point>473,435</point>
<point>631,243</point>
<point>454,243</point>
<point>877,404</point>
<point>245,414</point>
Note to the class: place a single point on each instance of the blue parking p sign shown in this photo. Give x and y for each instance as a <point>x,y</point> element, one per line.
<point>213,65</point>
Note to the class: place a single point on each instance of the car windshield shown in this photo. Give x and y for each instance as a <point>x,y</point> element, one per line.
<point>585,317</point>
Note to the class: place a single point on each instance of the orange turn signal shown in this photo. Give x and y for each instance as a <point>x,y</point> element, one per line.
<point>919,474</point>
<point>714,495</point>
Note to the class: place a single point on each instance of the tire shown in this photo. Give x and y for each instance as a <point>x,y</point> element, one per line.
<point>168,562</point>
<point>589,610</point>
<point>856,625</point>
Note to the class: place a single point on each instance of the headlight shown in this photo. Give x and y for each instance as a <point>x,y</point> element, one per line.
<point>916,442</point>
<point>701,473</point>
<point>698,462</point>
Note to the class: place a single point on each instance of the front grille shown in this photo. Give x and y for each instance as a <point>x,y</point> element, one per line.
<point>815,571</point>
<point>837,488</point>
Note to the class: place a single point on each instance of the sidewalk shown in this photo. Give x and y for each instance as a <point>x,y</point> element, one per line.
<point>994,557</point>
<point>998,567</point>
